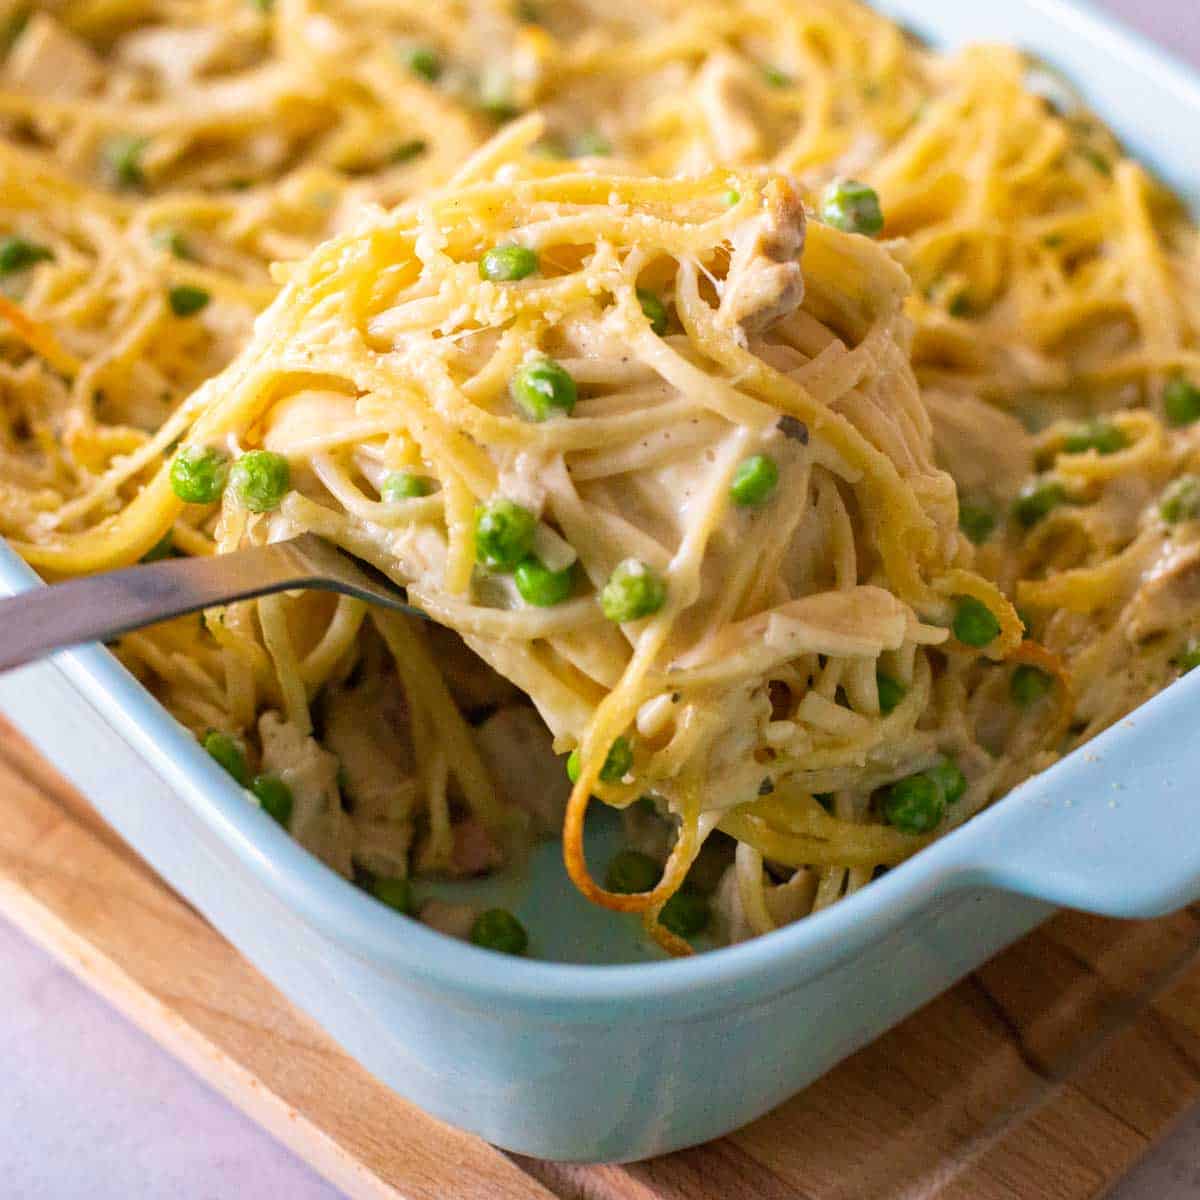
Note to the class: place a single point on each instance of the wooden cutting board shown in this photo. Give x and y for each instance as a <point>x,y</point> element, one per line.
<point>1046,1074</point>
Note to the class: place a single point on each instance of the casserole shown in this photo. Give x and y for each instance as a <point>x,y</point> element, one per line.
<point>629,1060</point>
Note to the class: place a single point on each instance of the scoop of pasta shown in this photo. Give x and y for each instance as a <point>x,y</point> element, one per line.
<point>665,467</point>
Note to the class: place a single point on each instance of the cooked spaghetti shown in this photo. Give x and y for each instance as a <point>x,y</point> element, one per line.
<point>695,399</point>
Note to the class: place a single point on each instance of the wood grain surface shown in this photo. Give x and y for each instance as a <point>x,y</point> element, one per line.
<point>1044,1075</point>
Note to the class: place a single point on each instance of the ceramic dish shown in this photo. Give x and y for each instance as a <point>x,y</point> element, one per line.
<point>569,1059</point>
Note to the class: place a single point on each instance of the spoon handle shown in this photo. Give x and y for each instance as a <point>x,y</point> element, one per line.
<point>97,608</point>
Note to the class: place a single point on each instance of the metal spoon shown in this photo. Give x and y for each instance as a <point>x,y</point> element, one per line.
<point>97,608</point>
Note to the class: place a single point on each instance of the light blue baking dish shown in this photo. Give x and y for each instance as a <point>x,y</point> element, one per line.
<point>623,1061</point>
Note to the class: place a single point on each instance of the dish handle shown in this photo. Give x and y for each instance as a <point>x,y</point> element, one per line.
<point>1114,828</point>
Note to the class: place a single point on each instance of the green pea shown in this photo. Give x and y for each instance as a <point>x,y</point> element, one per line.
<point>1188,658</point>
<point>754,481</point>
<point>497,929</point>
<point>1037,498</point>
<point>1181,500</point>
<point>891,692</point>
<point>774,77</point>
<point>590,144</point>
<point>976,520</point>
<point>1181,401</point>
<point>503,534</point>
<point>122,157</point>
<point>163,548</point>
<point>495,94</point>
<point>631,872</point>
<point>732,197</point>
<point>852,207</point>
<point>540,586</point>
<point>11,28</point>
<point>542,388</point>
<point>915,804</point>
<point>186,300</point>
<point>686,914</point>
<point>504,264</point>
<point>19,254</point>
<point>259,479</point>
<point>395,893</point>
<point>423,61</point>
<point>262,6</point>
<point>633,591</point>
<point>550,147</point>
<point>198,474</point>
<point>617,762</point>
<point>950,780</point>
<point>654,310</point>
<point>274,797</point>
<point>1028,685</point>
<point>1101,436</point>
<point>173,242</point>
<point>227,751</point>
<point>404,485</point>
<point>407,151</point>
<point>974,623</point>
<point>961,305</point>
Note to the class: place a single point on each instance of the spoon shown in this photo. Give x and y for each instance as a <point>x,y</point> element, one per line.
<point>97,608</point>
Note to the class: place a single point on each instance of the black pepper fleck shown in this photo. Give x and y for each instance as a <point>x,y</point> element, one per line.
<point>766,787</point>
<point>794,428</point>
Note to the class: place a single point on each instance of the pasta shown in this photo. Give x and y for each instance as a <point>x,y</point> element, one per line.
<point>739,501</point>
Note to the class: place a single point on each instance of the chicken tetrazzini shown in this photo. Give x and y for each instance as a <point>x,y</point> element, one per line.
<point>624,397</point>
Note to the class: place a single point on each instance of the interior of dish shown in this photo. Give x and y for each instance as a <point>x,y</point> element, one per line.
<point>849,391</point>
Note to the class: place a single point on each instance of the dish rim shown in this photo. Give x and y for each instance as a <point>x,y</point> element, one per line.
<point>713,981</point>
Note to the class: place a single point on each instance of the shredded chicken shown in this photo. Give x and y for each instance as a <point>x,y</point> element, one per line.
<point>765,280</point>
<point>1114,519</point>
<point>475,851</point>
<point>519,754</point>
<point>1168,597</point>
<point>318,822</point>
<point>48,60</point>
<point>382,847</point>
<point>182,56</point>
<point>985,450</point>
<point>366,727</point>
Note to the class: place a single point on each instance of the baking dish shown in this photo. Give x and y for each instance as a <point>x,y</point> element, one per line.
<point>623,1061</point>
